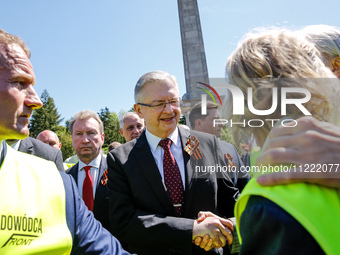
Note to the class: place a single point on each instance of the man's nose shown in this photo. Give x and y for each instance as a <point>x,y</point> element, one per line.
<point>32,99</point>
<point>137,130</point>
<point>84,138</point>
<point>168,108</point>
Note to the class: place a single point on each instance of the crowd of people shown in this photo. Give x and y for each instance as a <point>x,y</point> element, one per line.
<point>155,194</point>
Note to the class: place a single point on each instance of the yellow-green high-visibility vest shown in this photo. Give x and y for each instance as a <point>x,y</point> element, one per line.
<point>315,207</point>
<point>32,206</point>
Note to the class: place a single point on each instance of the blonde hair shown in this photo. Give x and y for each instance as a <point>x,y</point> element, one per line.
<point>326,38</point>
<point>280,58</point>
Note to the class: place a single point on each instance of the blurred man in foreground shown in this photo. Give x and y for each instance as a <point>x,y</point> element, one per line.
<point>42,203</point>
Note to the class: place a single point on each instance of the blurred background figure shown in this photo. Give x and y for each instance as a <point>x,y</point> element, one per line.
<point>50,138</point>
<point>205,123</point>
<point>131,126</point>
<point>113,145</point>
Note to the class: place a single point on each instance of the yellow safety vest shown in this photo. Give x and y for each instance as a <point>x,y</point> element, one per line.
<point>32,207</point>
<point>315,207</point>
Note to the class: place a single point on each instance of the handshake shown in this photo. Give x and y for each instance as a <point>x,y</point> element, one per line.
<point>211,231</point>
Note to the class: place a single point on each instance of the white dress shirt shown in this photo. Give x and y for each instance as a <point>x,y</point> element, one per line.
<point>94,171</point>
<point>158,152</point>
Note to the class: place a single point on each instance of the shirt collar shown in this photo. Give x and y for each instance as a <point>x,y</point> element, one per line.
<point>93,163</point>
<point>154,140</point>
<point>16,145</point>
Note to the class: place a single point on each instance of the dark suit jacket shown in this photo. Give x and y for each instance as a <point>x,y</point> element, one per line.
<point>141,212</point>
<point>101,200</point>
<point>240,177</point>
<point>42,150</point>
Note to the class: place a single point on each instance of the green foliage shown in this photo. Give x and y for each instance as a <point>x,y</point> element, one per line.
<point>182,120</point>
<point>66,143</point>
<point>111,127</point>
<point>46,117</point>
<point>228,137</point>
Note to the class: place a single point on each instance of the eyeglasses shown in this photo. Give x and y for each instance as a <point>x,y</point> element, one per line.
<point>174,104</point>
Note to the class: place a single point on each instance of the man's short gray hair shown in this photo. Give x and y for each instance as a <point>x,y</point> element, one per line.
<point>86,114</point>
<point>128,114</point>
<point>154,76</point>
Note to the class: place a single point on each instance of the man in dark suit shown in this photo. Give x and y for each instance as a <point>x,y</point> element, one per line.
<point>205,123</point>
<point>144,211</point>
<point>37,148</point>
<point>87,132</point>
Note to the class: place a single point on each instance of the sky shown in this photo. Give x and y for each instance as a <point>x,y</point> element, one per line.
<point>90,54</point>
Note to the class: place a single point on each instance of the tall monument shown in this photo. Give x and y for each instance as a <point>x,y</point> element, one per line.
<point>195,64</point>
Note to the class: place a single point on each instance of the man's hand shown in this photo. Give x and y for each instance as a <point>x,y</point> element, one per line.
<point>212,231</point>
<point>311,143</point>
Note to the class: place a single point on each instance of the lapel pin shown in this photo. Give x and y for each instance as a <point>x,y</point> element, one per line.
<point>192,147</point>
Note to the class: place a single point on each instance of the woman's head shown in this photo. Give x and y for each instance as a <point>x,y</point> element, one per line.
<point>279,58</point>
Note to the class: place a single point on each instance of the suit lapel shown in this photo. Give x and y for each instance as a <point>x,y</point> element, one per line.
<point>189,173</point>
<point>149,167</point>
<point>102,169</point>
<point>101,193</point>
<point>184,135</point>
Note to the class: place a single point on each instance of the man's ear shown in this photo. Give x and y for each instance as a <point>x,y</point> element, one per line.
<point>198,124</point>
<point>336,66</point>
<point>121,132</point>
<point>137,108</point>
<point>336,63</point>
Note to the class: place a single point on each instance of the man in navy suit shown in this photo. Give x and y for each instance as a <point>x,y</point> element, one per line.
<point>40,190</point>
<point>144,211</point>
<point>87,132</point>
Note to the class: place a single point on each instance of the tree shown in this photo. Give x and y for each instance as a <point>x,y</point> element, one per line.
<point>111,127</point>
<point>46,117</point>
<point>182,120</point>
<point>227,136</point>
<point>66,143</point>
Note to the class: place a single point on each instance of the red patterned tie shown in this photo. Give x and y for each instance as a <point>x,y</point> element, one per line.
<point>172,177</point>
<point>88,189</point>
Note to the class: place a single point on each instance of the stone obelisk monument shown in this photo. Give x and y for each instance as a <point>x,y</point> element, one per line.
<point>195,64</point>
